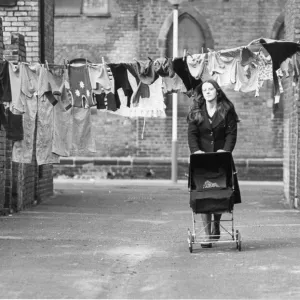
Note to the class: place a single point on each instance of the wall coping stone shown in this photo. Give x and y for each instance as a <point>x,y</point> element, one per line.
<point>76,161</point>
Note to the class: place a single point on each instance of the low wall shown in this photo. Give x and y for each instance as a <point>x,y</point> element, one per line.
<point>158,168</point>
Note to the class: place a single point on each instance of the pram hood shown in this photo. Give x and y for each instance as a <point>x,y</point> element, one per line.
<point>213,182</point>
<point>210,170</point>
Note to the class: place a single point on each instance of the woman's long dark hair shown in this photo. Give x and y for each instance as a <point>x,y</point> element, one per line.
<point>195,114</point>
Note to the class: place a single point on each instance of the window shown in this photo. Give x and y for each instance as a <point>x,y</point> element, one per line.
<point>68,7</point>
<point>8,2</point>
<point>81,7</point>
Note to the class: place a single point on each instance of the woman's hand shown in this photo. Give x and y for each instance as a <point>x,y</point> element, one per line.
<point>221,150</point>
<point>198,152</point>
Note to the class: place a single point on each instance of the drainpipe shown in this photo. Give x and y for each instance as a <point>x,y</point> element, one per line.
<point>296,152</point>
<point>175,98</point>
<point>42,31</point>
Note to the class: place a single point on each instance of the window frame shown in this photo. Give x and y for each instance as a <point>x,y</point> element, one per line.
<point>9,3</point>
<point>82,13</point>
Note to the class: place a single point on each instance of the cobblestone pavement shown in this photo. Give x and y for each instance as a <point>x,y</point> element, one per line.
<point>128,239</point>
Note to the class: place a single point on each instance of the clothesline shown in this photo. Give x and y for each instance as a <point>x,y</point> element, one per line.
<point>55,100</point>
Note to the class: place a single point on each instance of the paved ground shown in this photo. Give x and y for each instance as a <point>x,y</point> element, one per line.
<point>128,239</point>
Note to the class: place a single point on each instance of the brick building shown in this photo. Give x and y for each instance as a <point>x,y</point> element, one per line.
<point>123,30</point>
<point>26,34</point>
<point>291,115</point>
<point>120,30</point>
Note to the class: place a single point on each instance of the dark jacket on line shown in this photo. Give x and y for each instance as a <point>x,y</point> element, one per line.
<point>210,137</point>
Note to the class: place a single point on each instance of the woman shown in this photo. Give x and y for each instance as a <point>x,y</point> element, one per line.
<point>212,127</point>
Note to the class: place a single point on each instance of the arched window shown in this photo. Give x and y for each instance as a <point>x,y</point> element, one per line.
<point>281,32</point>
<point>190,37</point>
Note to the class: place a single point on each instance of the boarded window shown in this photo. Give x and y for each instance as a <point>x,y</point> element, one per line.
<point>8,2</point>
<point>78,7</point>
<point>68,7</point>
<point>95,7</point>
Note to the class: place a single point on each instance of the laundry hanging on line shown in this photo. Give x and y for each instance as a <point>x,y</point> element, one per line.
<point>56,100</point>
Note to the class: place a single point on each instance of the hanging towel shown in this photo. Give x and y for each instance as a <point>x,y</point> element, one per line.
<point>14,131</point>
<point>163,67</point>
<point>83,139</point>
<point>173,85</point>
<point>63,129</point>
<point>145,71</point>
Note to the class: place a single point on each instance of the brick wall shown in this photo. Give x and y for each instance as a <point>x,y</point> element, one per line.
<point>138,29</point>
<point>291,114</point>
<point>28,36</point>
<point>114,37</point>
<point>23,18</point>
<point>48,36</point>
<point>2,140</point>
<point>5,161</point>
<point>231,23</point>
<point>44,177</point>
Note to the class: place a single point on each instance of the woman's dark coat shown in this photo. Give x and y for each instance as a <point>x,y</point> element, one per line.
<point>210,137</point>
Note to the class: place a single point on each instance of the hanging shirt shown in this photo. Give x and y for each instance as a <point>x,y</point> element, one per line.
<point>80,86</point>
<point>196,63</point>
<point>265,71</point>
<point>181,69</point>
<point>119,72</point>
<point>45,124</point>
<point>59,87</point>
<point>173,85</point>
<point>250,80</point>
<point>144,88</point>
<point>23,150</point>
<point>223,67</point>
<point>99,78</point>
<point>15,79</point>
<point>286,66</point>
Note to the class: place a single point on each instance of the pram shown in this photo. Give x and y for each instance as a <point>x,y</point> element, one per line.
<point>213,188</point>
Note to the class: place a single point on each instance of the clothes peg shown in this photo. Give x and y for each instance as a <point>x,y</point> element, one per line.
<point>47,66</point>
<point>184,54</point>
<point>103,60</point>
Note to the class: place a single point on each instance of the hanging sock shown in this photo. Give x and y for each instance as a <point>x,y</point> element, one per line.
<point>144,125</point>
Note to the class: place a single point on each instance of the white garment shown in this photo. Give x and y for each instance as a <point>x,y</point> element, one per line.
<point>152,107</point>
<point>196,63</point>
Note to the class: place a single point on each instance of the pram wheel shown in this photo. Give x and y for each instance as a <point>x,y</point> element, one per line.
<point>238,241</point>
<point>191,240</point>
